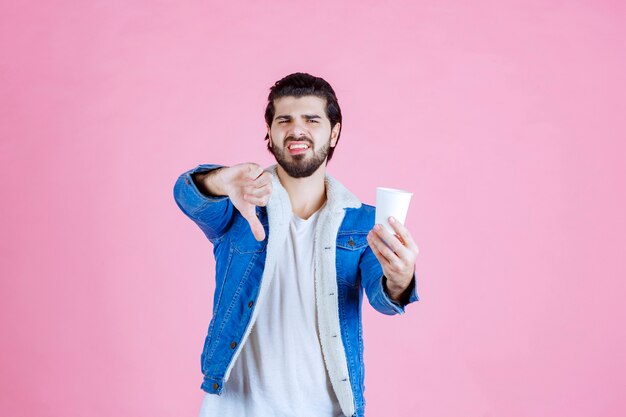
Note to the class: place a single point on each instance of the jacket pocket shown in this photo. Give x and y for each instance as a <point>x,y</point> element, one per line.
<point>350,246</point>
<point>246,246</point>
<point>243,240</point>
<point>352,240</point>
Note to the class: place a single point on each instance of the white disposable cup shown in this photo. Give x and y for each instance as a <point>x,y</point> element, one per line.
<point>391,202</point>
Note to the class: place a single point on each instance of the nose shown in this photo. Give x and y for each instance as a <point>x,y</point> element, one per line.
<point>299,130</point>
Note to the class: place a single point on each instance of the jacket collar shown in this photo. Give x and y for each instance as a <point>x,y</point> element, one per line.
<point>338,197</point>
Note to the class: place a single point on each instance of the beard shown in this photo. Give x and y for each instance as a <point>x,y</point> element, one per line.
<point>300,165</point>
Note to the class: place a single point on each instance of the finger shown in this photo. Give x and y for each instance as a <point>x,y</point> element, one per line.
<point>258,192</point>
<point>263,179</point>
<point>376,242</point>
<point>257,201</point>
<point>383,261</point>
<point>404,233</point>
<point>254,171</point>
<point>255,224</point>
<point>391,240</point>
<point>392,262</point>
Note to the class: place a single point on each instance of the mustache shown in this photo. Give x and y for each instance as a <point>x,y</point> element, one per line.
<point>290,139</point>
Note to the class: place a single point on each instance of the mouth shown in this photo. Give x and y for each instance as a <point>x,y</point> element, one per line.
<point>296,148</point>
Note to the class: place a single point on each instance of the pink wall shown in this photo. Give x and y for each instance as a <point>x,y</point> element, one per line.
<point>504,118</point>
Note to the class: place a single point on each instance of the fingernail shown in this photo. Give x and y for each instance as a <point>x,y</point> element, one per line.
<point>392,220</point>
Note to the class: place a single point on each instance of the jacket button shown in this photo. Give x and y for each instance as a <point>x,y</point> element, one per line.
<point>187,180</point>
<point>215,386</point>
<point>250,303</point>
<point>351,242</point>
<point>233,344</point>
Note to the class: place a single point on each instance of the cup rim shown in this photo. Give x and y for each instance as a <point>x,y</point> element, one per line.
<point>394,190</point>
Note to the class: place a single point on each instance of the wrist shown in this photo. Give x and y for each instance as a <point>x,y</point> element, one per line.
<point>397,292</point>
<point>214,181</point>
<point>211,183</point>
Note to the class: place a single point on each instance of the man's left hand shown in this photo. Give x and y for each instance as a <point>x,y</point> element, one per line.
<point>396,254</point>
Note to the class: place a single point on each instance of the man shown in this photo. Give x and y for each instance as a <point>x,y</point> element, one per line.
<point>294,251</point>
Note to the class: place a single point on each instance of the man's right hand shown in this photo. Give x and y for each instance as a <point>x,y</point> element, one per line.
<point>247,186</point>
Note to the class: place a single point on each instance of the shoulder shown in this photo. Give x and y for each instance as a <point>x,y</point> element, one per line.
<point>361,218</point>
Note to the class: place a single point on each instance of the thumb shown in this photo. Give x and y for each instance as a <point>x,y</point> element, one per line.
<point>255,224</point>
<point>254,170</point>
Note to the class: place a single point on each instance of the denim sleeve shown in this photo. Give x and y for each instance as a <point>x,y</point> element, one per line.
<point>372,281</point>
<point>212,214</point>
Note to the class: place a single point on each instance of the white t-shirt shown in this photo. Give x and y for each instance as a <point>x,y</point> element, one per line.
<point>280,371</point>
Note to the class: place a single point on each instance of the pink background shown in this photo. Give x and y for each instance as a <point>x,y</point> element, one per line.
<point>506,119</point>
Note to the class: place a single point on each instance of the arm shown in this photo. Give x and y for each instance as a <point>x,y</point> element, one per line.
<point>396,255</point>
<point>209,195</point>
<point>203,200</point>
<point>374,283</point>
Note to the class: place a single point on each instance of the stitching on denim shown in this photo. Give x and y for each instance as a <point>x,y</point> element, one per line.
<point>247,252</point>
<point>386,301</point>
<point>230,307</point>
<point>362,237</point>
<point>201,207</point>
<point>352,232</point>
<point>342,318</point>
<point>235,299</point>
<point>361,353</point>
<point>215,342</point>
<point>228,265</point>
<point>352,248</point>
<point>342,279</point>
<point>209,355</point>
<point>243,251</point>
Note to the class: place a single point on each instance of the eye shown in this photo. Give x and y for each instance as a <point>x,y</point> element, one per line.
<point>313,121</point>
<point>282,121</point>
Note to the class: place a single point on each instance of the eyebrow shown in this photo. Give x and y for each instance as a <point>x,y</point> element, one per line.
<point>306,116</point>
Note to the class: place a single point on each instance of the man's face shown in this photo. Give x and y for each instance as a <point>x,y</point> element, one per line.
<point>300,134</point>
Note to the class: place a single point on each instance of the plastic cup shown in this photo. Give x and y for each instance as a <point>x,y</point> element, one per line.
<point>391,202</point>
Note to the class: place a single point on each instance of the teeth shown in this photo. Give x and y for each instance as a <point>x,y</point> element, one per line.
<point>298,146</point>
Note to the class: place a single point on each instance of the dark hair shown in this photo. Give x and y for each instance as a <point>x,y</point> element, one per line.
<point>301,84</point>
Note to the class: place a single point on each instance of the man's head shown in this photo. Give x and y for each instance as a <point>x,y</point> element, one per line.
<point>302,110</point>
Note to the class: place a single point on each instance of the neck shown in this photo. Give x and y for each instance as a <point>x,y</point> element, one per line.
<point>307,195</point>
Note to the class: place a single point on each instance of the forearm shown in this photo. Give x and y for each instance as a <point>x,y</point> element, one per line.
<point>210,183</point>
<point>212,213</point>
<point>398,293</point>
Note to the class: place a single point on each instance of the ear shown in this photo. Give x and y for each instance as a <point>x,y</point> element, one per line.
<point>334,134</point>
<point>269,134</point>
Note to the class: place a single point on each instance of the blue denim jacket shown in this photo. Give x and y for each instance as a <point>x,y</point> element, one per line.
<point>345,266</point>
